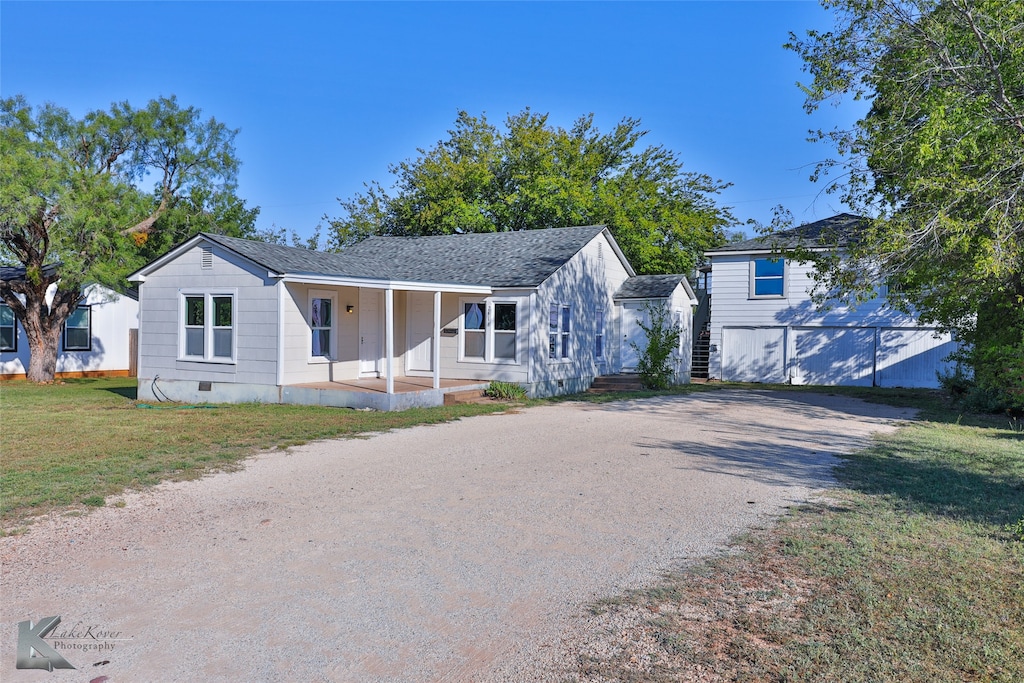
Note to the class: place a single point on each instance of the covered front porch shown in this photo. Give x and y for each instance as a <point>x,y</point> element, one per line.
<point>377,393</point>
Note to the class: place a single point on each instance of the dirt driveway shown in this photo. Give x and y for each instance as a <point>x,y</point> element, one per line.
<point>458,552</point>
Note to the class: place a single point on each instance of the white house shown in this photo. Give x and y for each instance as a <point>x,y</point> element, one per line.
<point>227,320</point>
<point>765,328</point>
<point>97,340</point>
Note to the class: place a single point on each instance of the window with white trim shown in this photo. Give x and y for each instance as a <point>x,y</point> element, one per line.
<point>8,329</point>
<point>599,335</point>
<point>559,318</point>
<point>321,325</point>
<point>489,331</point>
<point>78,330</point>
<point>768,278</point>
<point>208,330</point>
<point>474,330</point>
<point>504,331</point>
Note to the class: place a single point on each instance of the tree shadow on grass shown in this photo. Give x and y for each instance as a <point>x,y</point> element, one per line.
<point>911,472</point>
<point>130,393</point>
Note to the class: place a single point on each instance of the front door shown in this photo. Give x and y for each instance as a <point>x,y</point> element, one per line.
<point>370,357</point>
<point>632,316</point>
<point>421,332</point>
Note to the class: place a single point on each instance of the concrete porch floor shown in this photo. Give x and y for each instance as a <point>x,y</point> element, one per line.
<point>403,385</point>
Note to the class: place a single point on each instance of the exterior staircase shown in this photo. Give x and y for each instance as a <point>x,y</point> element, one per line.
<point>610,383</point>
<point>701,355</point>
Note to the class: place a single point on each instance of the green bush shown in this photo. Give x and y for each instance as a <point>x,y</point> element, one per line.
<point>505,391</point>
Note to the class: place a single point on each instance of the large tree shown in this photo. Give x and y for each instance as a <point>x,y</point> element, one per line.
<point>92,199</point>
<point>938,162</point>
<point>535,175</point>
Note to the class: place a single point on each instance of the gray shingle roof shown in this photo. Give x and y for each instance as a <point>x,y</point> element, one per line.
<point>834,231</point>
<point>500,259</point>
<point>282,259</point>
<point>649,286</point>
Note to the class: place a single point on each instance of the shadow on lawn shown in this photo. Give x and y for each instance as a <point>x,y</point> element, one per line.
<point>911,473</point>
<point>130,393</point>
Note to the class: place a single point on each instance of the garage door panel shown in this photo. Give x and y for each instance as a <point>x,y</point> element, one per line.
<point>912,357</point>
<point>754,354</point>
<point>833,356</point>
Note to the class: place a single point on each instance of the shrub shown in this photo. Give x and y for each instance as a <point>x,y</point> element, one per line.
<point>655,364</point>
<point>505,391</point>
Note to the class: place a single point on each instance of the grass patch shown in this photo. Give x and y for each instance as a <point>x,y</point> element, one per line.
<point>82,441</point>
<point>912,571</point>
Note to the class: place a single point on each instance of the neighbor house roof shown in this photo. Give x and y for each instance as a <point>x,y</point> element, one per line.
<point>649,286</point>
<point>500,259</point>
<point>17,273</point>
<point>828,232</point>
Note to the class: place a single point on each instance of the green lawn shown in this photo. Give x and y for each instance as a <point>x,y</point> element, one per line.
<point>85,440</point>
<point>912,571</point>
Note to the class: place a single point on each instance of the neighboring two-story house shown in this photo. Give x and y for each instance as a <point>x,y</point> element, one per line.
<point>764,327</point>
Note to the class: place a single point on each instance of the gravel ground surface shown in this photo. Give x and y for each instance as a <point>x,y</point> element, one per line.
<point>460,552</point>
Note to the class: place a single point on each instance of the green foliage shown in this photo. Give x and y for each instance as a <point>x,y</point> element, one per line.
<point>534,175</point>
<point>75,208</point>
<point>938,161</point>
<point>655,365</point>
<point>505,391</point>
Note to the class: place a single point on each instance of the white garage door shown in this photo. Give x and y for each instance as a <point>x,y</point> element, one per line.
<point>912,357</point>
<point>754,354</point>
<point>837,356</point>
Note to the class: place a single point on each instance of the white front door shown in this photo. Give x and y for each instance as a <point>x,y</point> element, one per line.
<point>420,320</point>
<point>370,360</point>
<point>632,315</point>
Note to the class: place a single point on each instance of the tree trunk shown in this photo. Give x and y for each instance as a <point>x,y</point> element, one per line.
<point>42,362</point>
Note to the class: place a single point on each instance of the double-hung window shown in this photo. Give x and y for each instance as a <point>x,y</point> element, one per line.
<point>78,330</point>
<point>489,331</point>
<point>208,325</point>
<point>505,331</point>
<point>8,329</point>
<point>767,278</point>
<point>599,335</point>
<point>559,318</point>
<point>321,325</point>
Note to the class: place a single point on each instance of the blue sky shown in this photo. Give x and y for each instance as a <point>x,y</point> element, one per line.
<point>328,94</point>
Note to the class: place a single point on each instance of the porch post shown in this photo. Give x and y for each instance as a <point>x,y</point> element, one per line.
<point>435,361</point>
<point>389,336</point>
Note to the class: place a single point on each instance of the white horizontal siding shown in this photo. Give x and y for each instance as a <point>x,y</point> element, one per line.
<point>254,319</point>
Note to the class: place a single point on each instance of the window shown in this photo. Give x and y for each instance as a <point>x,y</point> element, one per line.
<point>558,331</point>
<point>505,331</point>
<point>474,331</point>
<point>321,323</point>
<point>768,277</point>
<point>489,331</point>
<point>8,329</point>
<point>208,323</point>
<point>78,330</point>
<point>599,336</point>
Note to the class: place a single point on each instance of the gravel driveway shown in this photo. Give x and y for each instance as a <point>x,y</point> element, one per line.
<point>458,552</point>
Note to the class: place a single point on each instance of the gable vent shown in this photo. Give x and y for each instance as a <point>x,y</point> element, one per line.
<point>207,258</point>
<point>600,251</point>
